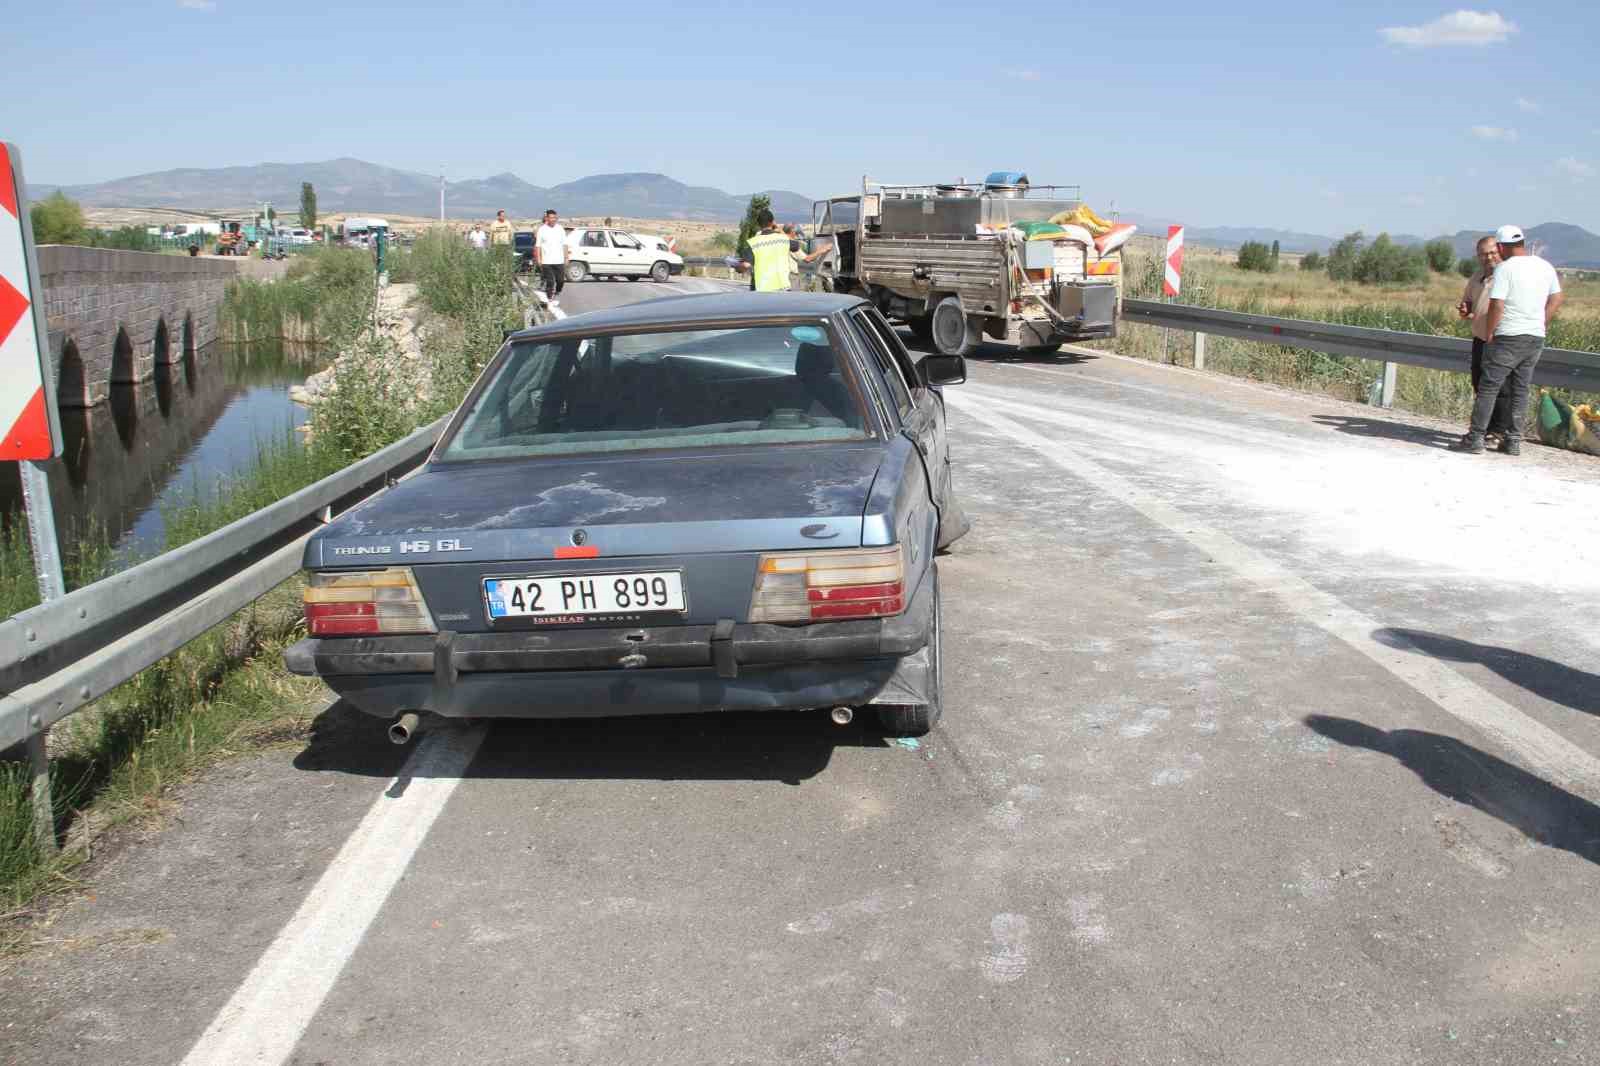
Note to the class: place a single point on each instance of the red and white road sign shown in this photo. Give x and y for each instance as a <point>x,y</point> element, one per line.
<point>1173,282</point>
<point>24,401</point>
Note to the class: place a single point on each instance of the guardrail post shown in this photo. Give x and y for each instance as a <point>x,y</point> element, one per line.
<point>44,811</point>
<point>1199,351</point>
<point>1386,397</point>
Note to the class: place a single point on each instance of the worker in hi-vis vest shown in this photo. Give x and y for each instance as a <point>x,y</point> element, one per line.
<point>768,256</point>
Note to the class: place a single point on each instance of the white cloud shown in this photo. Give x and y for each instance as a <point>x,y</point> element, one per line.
<point>1530,106</point>
<point>1576,169</point>
<point>1023,75</point>
<point>1494,133</point>
<point>198,5</point>
<point>1470,28</point>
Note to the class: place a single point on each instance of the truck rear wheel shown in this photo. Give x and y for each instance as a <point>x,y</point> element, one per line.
<point>952,333</point>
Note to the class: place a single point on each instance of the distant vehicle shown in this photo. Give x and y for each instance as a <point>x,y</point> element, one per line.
<point>948,261</point>
<point>522,248</point>
<point>358,231</point>
<point>728,502</point>
<point>298,236</point>
<point>604,252</point>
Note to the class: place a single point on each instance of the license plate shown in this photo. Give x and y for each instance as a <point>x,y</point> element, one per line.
<point>584,594</point>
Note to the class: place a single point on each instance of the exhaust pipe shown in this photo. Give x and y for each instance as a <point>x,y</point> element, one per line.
<point>404,728</point>
<point>841,715</point>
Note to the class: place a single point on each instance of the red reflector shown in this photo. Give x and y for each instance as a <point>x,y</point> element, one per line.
<point>577,551</point>
<point>341,619</point>
<point>854,592</point>
<point>857,608</point>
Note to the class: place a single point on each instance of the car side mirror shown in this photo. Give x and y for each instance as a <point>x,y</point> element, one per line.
<point>943,369</point>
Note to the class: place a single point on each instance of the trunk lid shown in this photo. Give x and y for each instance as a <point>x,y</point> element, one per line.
<point>708,516</point>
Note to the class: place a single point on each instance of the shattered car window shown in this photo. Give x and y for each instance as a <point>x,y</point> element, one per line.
<point>684,389</point>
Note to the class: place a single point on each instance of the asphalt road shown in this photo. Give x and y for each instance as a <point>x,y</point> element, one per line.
<point>1272,735</point>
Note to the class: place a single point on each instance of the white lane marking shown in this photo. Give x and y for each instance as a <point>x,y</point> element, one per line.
<point>1544,750</point>
<point>266,1017</point>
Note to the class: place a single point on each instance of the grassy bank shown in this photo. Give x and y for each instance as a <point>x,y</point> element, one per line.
<point>227,691</point>
<point>1211,279</point>
<point>324,299</point>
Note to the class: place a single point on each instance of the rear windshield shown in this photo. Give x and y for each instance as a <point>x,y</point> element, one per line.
<point>626,392</point>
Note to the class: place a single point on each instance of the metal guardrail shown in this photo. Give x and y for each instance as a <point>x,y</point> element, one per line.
<point>1558,367</point>
<point>61,655</point>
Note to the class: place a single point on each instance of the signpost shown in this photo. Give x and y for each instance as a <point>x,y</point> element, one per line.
<point>28,419</point>
<point>1172,277</point>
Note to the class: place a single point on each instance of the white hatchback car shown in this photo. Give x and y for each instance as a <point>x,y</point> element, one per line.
<point>603,252</point>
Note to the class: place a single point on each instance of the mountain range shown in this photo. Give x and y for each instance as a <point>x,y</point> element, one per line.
<point>347,185</point>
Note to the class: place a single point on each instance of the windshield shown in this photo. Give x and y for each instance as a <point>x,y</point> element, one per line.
<point>628,392</point>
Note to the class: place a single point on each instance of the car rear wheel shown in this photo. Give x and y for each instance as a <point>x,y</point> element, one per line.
<point>660,272</point>
<point>915,719</point>
<point>952,333</point>
<point>576,270</point>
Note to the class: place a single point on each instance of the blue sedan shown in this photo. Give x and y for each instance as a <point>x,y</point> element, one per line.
<point>728,502</point>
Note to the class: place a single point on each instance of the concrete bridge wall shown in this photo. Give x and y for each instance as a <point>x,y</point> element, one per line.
<point>114,315</point>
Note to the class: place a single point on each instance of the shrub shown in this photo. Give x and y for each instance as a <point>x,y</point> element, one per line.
<point>1441,255</point>
<point>57,220</point>
<point>1312,261</point>
<point>725,241</point>
<point>1384,261</point>
<point>1253,255</point>
<point>1343,255</point>
<point>1467,267</point>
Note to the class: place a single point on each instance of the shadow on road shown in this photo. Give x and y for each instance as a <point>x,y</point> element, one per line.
<point>1361,426</point>
<point>1556,682</point>
<point>1529,804</point>
<point>782,746</point>
<point>990,352</point>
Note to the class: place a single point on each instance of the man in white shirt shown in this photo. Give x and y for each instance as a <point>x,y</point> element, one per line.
<point>477,237</point>
<point>1523,297</point>
<point>550,252</point>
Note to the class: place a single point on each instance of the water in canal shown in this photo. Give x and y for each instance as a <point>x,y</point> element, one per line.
<point>159,444</point>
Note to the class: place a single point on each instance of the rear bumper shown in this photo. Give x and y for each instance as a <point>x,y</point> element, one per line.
<point>592,672</point>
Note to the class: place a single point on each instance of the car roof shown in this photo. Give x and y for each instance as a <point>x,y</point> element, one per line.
<point>741,305</point>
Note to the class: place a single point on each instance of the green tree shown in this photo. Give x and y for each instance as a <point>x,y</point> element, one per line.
<point>308,205</point>
<point>1254,255</point>
<point>1343,255</point>
<point>1312,261</point>
<point>57,220</point>
<point>1274,255</point>
<point>725,241</point>
<point>1467,267</point>
<point>749,227</point>
<point>1384,261</point>
<point>1441,255</point>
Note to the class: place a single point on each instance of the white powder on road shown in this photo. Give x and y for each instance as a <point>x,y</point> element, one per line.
<point>1485,517</point>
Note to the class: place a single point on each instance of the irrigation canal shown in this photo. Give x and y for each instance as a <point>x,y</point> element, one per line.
<point>163,443</point>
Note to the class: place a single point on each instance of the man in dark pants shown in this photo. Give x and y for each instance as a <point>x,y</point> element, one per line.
<point>1474,306</point>
<point>550,253</point>
<point>1524,296</point>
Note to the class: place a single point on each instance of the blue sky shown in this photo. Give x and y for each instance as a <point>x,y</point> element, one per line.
<point>1403,116</point>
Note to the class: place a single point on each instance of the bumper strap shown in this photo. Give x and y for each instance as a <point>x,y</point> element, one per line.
<point>444,667</point>
<point>722,649</point>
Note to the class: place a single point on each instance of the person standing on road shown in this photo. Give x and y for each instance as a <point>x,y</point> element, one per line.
<point>1523,297</point>
<point>550,252</point>
<point>500,230</point>
<point>1474,305</point>
<point>797,252</point>
<point>768,256</point>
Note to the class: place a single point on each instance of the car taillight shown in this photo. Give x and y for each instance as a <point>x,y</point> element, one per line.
<point>818,586</point>
<point>366,602</point>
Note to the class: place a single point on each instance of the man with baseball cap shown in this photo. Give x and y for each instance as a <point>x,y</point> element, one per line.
<point>1524,296</point>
